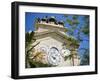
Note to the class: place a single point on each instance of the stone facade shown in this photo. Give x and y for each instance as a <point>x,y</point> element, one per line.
<point>53,37</point>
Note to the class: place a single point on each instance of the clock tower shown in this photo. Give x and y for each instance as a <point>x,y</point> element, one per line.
<point>54,43</point>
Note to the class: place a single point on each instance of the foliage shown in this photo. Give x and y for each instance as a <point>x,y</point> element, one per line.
<point>85,30</point>
<point>73,21</point>
<point>28,41</point>
<point>37,57</point>
<point>73,42</point>
<point>71,57</point>
<point>29,38</point>
<point>34,64</point>
<point>36,60</point>
<point>85,59</point>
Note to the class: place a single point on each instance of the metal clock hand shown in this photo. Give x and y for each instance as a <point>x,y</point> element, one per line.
<point>53,57</point>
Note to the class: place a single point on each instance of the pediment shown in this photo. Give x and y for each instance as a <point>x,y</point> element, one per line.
<point>54,34</point>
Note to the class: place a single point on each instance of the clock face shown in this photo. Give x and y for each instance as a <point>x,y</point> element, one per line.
<point>54,56</point>
<point>44,49</point>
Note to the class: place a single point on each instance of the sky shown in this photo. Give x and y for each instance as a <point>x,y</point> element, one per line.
<point>30,18</point>
<point>30,22</point>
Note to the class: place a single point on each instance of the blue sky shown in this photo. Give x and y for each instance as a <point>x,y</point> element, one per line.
<point>30,19</point>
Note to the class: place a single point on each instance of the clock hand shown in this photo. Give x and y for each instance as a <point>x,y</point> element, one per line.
<point>53,57</point>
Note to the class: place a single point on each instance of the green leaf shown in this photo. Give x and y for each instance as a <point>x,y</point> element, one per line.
<point>85,30</point>
<point>69,22</point>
